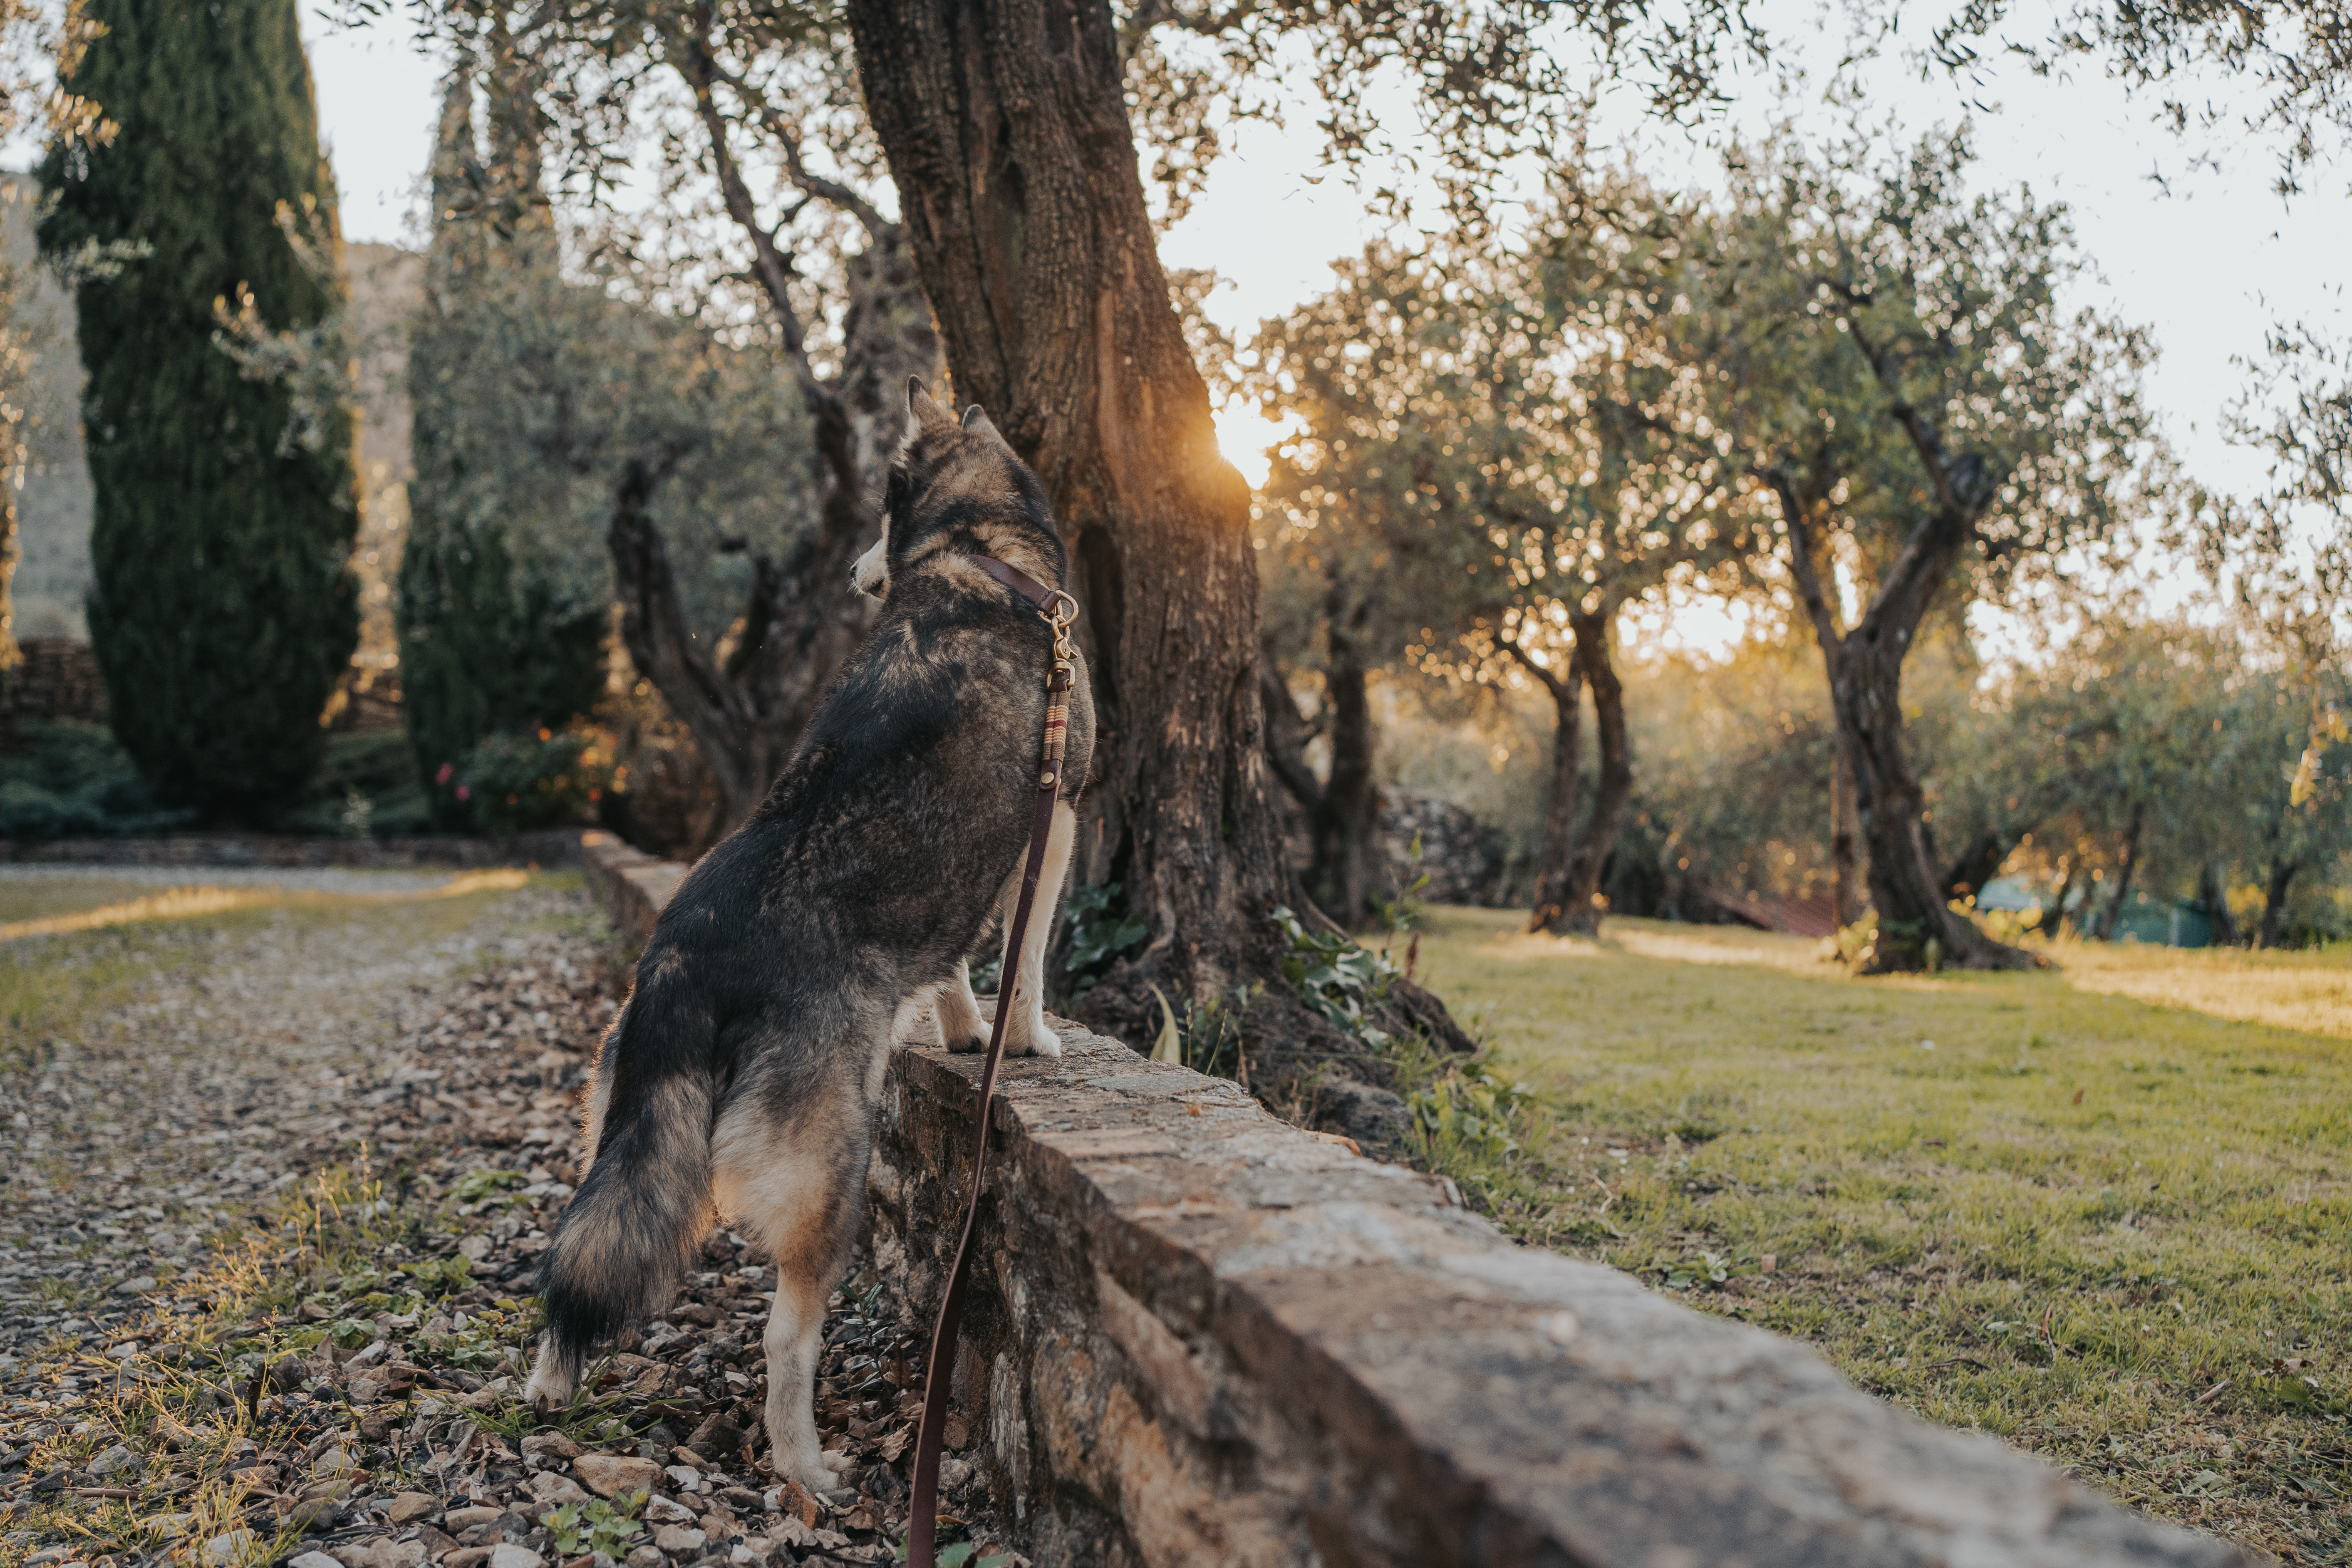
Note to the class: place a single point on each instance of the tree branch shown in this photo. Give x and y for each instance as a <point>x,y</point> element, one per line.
<point>771,266</point>
<point>653,623</point>
<point>1562,692</point>
<point>1801,555</point>
<point>1286,736</point>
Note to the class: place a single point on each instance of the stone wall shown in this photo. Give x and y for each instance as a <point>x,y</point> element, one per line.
<point>1462,857</point>
<point>60,678</point>
<point>1199,1336</point>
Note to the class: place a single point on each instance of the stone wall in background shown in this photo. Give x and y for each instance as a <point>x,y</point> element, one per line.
<point>60,678</point>
<point>1462,857</point>
<point>1200,1336</point>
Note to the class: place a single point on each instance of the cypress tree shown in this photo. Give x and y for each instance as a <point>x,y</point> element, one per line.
<point>497,635</point>
<point>223,612</point>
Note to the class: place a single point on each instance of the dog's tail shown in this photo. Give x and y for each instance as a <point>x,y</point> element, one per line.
<point>644,1203</point>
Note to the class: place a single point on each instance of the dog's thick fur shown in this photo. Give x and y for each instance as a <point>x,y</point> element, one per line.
<point>744,1072</point>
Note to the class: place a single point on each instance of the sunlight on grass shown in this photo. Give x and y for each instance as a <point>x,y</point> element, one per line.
<point>2118,1233</point>
<point>2307,991</point>
<point>183,903</point>
<point>62,985</point>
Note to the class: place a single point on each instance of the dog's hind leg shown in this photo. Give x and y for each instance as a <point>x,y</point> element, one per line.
<point>917,1020</point>
<point>645,1201</point>
<point>958,1012</point>
<point>794,1186</point>
<point>946,1015</point>
<point>1026,1033</point>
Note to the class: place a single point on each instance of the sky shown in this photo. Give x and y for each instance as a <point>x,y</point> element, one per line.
<point>2207,259</point>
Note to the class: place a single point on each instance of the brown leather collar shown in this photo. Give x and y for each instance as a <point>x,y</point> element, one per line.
<point>1014,578</point>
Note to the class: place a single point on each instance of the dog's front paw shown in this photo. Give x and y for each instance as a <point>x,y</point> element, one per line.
<point>969,1042</point>
<point>813,1471</point>
<point>1029,1037</point>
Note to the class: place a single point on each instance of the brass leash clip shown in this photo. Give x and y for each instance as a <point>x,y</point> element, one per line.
<point>1060,612</point>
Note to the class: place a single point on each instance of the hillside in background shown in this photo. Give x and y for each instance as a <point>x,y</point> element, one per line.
<point>54,511</point>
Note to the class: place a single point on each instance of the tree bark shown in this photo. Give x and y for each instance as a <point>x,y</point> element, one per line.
<point>1844,870</point>
<point>802,618</point>
<point>1344,820</point>
<point>2214,895</point>
<point>1980,863</point>
<point>743,754</point>
<point>1556,860</point>
<point>2066,891</point>
<point>1916,927</point>
<point>1005,126</point>
<point>2274,902</point>
<point>1582,909</point>
<point>2126,864</point>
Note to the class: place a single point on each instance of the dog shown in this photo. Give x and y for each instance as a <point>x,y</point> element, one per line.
<point>743,1074</point>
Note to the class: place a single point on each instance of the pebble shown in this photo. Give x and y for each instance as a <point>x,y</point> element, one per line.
<point>608,1475</point>
<point>678,1539</point>
<point>313,1560</point>
<point>226,1548</point>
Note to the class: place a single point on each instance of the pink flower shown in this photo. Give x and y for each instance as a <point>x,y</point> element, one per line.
<point>465,792</point>
<point>443,776</point>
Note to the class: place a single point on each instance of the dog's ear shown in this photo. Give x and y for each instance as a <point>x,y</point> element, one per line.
<point>922,412</point>
<point>976,422</point>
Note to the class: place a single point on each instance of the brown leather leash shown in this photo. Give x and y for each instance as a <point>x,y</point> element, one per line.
<point>1059,610</point>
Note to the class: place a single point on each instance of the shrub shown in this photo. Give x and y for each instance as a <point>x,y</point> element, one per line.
<point>514,783</point>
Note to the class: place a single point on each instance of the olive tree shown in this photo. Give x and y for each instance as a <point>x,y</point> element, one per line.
<point>1491,464</point>
<point>1885,357</point>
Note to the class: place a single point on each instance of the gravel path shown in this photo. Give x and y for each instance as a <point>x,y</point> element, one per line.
<point>302,878</point>
<point>231,1069</point>
<point>200,1364</point>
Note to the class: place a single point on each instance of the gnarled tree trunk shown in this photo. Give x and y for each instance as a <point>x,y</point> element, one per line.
<point>1584,907</point>
<point>1916,926</point>
<point>2126,864</point>
<point>1556,859</point>
<point>1845,870</point>
<point>2283,872</point>
<point>802,618</point>
<point>1343,812</point>
<point>1005,125</point>
<point>1345,823</point>
<point>1569,870</point>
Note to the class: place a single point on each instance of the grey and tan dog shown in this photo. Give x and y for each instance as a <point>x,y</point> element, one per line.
<point>744,1073</point>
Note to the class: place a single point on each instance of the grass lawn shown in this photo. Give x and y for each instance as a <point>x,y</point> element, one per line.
<point>2105,1211</point>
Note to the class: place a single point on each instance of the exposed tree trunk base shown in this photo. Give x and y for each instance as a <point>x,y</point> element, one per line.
<point>2274,904</point>
<point>1584,905</point>
<point>1556,860</point>
<point>2126,864</point>
<point>1006,128</point>
<point>2216,899</point>
<point>1345,819</point>
<point>1845,881</point>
